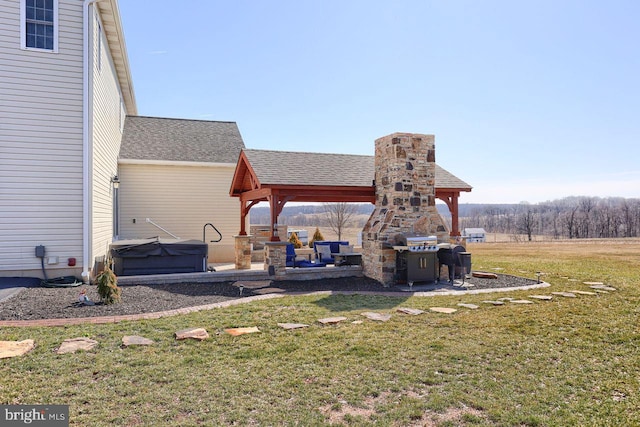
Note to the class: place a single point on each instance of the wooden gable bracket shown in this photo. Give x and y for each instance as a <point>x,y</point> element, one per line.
<point>451,200</point>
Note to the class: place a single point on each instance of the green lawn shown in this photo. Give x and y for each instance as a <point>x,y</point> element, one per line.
<point>569,361</point>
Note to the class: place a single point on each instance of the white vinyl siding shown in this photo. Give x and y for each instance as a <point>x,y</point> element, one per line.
<point>106,135</point>
<point>181,199</point>
<point>40,143</point>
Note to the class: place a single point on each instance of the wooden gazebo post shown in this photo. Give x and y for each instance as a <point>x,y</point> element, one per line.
<point>451,200</point>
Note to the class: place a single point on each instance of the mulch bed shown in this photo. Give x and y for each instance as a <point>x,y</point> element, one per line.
<point>55,303</point>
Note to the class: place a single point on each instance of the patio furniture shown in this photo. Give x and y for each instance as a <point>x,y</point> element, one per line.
<point>294,260</point>
<point>325,248</point>
<point>347,258</point>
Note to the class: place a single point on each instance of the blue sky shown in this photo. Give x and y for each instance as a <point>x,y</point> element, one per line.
<point>528,100</point>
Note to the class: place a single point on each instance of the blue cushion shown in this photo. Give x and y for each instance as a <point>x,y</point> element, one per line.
<point>308,264</point>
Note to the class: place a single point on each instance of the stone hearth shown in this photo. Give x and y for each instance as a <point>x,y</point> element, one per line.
<point>405,201</point>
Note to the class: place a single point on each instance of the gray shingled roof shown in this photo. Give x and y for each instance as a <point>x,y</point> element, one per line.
<point>299,168</point>
<point>445,179</point>
<point>156,138</point>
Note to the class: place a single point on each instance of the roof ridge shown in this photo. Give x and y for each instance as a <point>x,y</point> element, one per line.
<point>306,152</point>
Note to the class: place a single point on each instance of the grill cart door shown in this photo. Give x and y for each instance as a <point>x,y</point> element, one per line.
<point>422,266</point>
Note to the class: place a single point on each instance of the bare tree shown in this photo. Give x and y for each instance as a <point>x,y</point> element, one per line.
<point>339,215</point>
<point>527,220</point>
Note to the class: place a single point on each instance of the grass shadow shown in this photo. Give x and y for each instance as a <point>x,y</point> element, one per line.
<point>340,301</point>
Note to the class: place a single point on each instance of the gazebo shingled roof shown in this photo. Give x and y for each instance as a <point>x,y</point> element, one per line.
<point>279,177</point>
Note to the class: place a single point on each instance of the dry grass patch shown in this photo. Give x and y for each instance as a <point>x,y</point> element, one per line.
<point>384,408</point>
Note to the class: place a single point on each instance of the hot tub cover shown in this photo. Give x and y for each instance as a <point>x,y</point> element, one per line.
<point>142,248</point>
<point>155,256</point>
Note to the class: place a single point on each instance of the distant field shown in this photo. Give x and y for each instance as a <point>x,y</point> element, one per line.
<point>351,234</point>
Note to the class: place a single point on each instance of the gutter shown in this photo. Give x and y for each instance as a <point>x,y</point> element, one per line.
<point>86,142</point>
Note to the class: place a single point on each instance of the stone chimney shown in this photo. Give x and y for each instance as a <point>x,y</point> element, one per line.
<point>405,201</point>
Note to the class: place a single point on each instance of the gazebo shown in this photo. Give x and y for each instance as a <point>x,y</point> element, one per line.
<point>278,177</point>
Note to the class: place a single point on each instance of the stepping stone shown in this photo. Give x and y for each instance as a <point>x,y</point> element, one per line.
<point>411,311</point>
<point>263,291</point>
<point>241,331</point>
<point>253,284</point>
<point>445,310</point>
<point>380,317</point>
<point>331,320</point>
<point>584,292</point>
<point>494,302</point>
<point>542,297</point>
<point>603,287</point>
<point>506,299</point>
<point>601,291</point>
<point>15,348</point>
<point>72,345</point>
<point>357,322</point>
<point>483,275</point>
<point>135,340</point>
<point>565,294</point>
<point>292,325</point>
<point>521,301</point>
<point>470,306</point>
<point>195,333</point>
<point>594,283</point>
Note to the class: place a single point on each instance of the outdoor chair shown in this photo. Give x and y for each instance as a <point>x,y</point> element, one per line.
<point>324,248</point>
<point>293,260</point>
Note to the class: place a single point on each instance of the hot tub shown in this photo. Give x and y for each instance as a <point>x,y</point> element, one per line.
<point>155,256</point>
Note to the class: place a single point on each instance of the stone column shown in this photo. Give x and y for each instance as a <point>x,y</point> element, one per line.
<point>275,258</point>
<point>243,252</point>
<point>405,200</point>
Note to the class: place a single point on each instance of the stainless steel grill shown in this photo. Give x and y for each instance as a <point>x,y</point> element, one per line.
<point>416,259</point>
<point>422,244</point>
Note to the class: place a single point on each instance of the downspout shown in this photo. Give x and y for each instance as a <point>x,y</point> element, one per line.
<point>86,142</point>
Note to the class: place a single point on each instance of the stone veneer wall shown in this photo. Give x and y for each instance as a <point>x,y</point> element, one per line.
<point>405,201</point>
<point>275,258</point>
<point>243,252</point>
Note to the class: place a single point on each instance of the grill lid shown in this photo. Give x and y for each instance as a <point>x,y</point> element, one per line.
<point>417,243</point>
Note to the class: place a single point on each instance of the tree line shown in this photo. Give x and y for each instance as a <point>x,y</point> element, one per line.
<point>322,215</point>
<point>570,217</point>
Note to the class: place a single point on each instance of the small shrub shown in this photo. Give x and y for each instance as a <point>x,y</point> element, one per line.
<point>317,237</point>
<point>294,239</point>
<point>108,286</point>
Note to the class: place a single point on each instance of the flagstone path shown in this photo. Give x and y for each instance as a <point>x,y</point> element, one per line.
<point>241,331</point>
<point>10,349</point>
<point>199,334</point>
<point>72,345</point>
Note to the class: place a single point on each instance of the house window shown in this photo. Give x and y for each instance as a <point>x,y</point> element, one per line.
<point>39,24</point>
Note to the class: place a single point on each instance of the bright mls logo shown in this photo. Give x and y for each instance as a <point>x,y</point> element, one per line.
<point>34,415</point>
